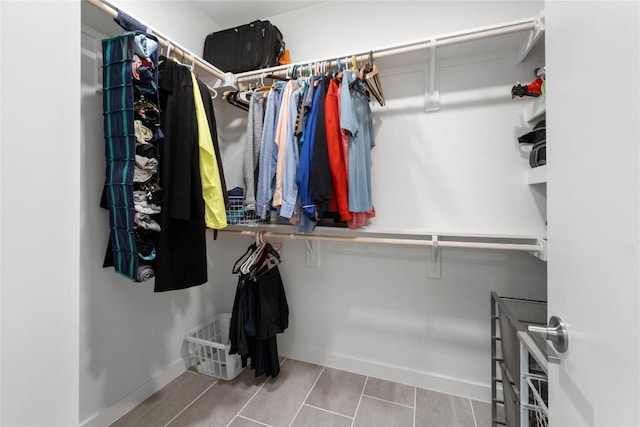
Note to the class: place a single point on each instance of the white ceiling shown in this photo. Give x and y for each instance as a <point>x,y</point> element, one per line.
<point>229,14</point>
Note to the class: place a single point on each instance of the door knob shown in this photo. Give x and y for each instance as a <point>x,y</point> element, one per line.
<point>555,331</point>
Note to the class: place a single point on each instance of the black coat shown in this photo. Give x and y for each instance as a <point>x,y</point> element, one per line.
<point>181,260</point>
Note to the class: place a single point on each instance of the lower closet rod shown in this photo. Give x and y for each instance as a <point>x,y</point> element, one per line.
<point>521,247</point>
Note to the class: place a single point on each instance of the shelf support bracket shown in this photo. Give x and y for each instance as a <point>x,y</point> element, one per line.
<point>313,253</point>
<point>433,259</point>
<point>432,83</point>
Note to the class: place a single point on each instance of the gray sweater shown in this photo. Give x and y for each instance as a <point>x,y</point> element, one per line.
<point>250,161</point>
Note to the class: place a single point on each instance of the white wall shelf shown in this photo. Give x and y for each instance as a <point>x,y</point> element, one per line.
<point>537,175</point>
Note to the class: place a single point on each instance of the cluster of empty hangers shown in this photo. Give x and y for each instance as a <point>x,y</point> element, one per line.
<point>368,73</point>
<point>259,257</point>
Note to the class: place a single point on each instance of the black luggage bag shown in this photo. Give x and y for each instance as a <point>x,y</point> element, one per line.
<point>247,47</point>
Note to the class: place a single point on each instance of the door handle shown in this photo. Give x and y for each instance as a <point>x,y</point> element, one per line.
<point>555,331</point>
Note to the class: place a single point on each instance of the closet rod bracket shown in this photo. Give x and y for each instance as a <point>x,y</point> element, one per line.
<point>432,82</point>
<point>313,253</point>
<point>542,253</point>
<point>433,259</point>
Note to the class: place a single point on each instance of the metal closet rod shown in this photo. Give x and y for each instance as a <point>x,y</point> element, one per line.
<point>445,40</point>
<point>518,247</point>
<point>165,42</point>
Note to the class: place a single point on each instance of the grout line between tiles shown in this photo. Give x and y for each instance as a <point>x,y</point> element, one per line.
<point>307,396</point>
<point>193,372</point>
<point>326,410</point>
<point>284,360</point>
<point>415,405</point>
<point>253,421</point>
<point>388,401</point>
<point>192,402</point>
<point>473,414</point>
<point>250,399</point>
<point>359,400</point>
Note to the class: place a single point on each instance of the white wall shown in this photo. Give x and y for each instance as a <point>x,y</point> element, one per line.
<point>370,309</point>
<point>40,212</point>
<point>131,339</point>
<point>345,27</point>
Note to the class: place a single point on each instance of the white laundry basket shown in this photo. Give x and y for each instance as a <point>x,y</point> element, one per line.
<point>209,349</point>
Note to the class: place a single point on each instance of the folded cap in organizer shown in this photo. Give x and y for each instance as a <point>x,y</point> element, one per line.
<point>143,133</point>
<point>142,204</point>
<point>144,169</point>
<point>145,221</point>
<point>145,242</point>
<point>144,46</point>
<point>538,134</point>
<point>153,192</point>
<point>147,150</point>
<point>150,116</point>
<point>145,272</point>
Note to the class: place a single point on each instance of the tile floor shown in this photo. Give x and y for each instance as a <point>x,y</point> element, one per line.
<point>302,395</point>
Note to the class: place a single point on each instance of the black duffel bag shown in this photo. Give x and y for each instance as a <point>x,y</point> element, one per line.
<point>247,47</point>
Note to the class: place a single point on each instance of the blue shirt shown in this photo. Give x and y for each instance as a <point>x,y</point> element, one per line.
<point>289,186</point>
<point>306,154</point>
<point>360,146</point>
<point>268,153</point>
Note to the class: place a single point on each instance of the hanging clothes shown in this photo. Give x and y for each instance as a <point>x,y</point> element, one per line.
<point>181,253</point>
<point>251,158</point>
<point>215,215</point>
<point>349,127</point>
<point>320,174</point>
<point>268,153</point>
<point>304,167</point>
<point>282,129</point>
<point>260,310</point>
<point>337,164</point>
<point>360,146</point>
<point>291,158</point>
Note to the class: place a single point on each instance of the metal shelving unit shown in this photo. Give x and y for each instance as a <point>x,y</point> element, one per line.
<point>512,366</point>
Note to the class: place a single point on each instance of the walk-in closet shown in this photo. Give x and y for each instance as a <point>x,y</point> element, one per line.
<point>447,275</point>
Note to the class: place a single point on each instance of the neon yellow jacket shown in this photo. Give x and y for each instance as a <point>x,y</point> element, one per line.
<point>215,215</point>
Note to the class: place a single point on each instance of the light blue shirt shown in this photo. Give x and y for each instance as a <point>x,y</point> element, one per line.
<point>292,155</point>
<point>360,146</point>
<point>268,153</point>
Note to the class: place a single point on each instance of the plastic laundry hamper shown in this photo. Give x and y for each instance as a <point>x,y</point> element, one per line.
<point>209,349</point>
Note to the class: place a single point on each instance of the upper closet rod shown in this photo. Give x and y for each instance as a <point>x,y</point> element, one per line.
<point>444,40</point>
<point>403,242</point>
<point>165,42</point>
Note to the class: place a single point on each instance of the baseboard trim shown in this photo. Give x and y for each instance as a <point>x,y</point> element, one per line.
<point>403,375</point>
<point>137,396</point>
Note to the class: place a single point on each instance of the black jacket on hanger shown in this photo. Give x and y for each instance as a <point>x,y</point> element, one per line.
<point>260,311</point>
<point>320,171</point>
<point>181,260</point>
